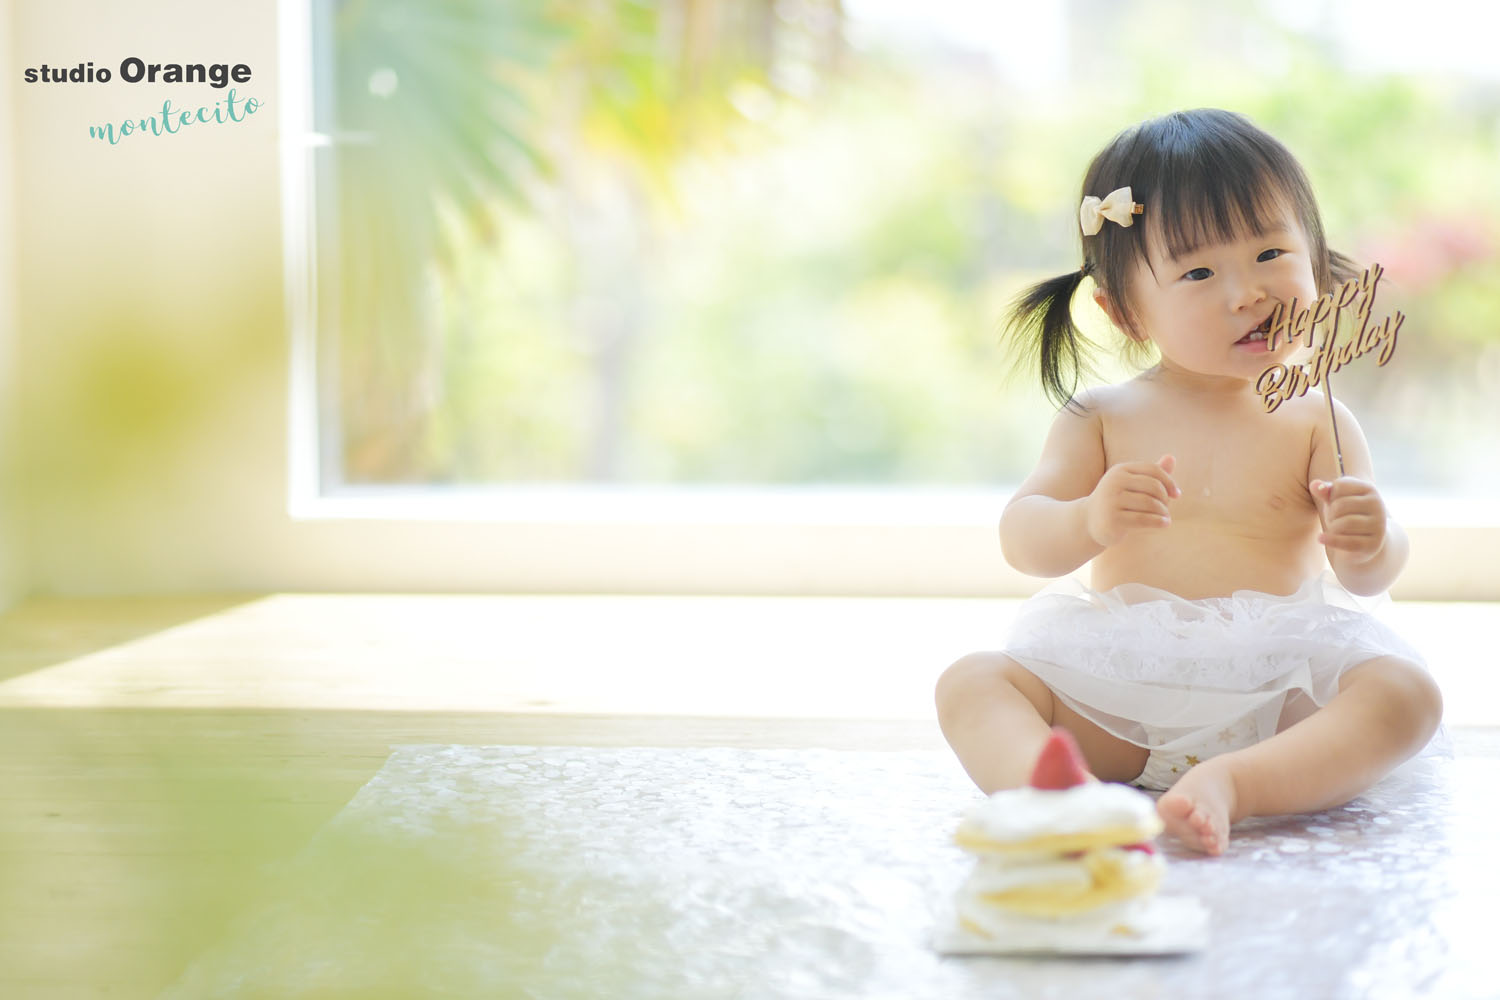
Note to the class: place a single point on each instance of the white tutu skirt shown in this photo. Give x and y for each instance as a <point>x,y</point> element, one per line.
<point>1196,677</point>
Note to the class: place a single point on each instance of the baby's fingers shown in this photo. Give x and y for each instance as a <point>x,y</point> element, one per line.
<point>1350,487</point>
<point>1152,486</point>
<point>1343,523</point>
<point>1353,533</point>
<point>1144,503</point>
<point>1162,470</point>
<point>1131,519</point>
<point>1360,509</point>
<point>1348,542</point>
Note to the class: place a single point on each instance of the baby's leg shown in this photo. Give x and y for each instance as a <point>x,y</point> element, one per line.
<point>996,715</point>
<point>1386,710</point>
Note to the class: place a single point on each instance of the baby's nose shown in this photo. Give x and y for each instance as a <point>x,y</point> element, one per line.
<point>1247,293</point>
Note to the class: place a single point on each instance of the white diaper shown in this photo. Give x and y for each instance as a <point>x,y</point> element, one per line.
<point>1163,768</point>
<point>1192,679</point>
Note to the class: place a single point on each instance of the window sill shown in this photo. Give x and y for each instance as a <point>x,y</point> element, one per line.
<point>923,542</point>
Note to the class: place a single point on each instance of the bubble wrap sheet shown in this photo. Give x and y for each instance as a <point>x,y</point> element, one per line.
<point>561,872</point>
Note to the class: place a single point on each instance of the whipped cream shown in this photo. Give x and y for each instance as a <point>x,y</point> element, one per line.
<point>1023,813</point>
<point>1000,875</point>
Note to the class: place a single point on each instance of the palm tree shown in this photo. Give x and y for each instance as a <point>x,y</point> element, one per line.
<point>452,114</point>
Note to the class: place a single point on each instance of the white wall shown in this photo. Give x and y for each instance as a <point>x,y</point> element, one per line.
<point>151,311</point>
<point>12,529</point>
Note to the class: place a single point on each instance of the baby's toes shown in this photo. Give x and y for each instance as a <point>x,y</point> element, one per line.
<point>1210,836</point>
<point>1175,808</point>
<point>1205,828</point>
<point>1179,816</point>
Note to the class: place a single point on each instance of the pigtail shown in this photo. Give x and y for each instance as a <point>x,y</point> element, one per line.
<point>1341,268</point>
<point>1041,324</point>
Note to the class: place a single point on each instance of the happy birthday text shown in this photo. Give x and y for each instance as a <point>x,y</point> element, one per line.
<point>1281,382</point>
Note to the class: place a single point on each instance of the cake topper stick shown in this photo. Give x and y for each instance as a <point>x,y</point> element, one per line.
<point>1333,419</point>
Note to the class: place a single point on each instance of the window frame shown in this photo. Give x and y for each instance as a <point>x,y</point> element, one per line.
<point>587,538</point>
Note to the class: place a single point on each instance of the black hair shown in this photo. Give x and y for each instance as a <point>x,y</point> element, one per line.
<point>1204,176</point>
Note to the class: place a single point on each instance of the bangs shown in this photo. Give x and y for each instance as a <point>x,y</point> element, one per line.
<point>1211,177</point>
<point>1211,206</point>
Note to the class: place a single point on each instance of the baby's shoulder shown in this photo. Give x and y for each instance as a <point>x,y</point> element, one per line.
<point>1102,400</point>
<point>1129,400</point>
<point>1310,411</point>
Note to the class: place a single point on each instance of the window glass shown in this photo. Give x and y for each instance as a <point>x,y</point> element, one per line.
<point>754,242</point>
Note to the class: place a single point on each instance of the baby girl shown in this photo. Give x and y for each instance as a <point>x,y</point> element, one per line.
<point>1214,657</point>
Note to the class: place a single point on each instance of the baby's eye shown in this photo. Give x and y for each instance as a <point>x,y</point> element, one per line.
<point>1271,254</point>
<point>1198,274</point>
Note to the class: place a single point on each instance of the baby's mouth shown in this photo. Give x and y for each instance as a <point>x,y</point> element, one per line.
<point>1259,333</point>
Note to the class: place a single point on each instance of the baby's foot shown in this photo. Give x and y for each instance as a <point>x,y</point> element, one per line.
<point>1199,808</point>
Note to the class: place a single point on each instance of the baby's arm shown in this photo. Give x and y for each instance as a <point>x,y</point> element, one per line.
<point>1071,507</point>
<point>1366,547</point>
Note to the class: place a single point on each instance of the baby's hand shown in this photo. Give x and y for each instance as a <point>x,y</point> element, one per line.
<point>1353,516</point>
<point>1131,495</point>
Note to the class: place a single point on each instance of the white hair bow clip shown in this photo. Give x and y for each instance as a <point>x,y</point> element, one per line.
<point>1117,206</point>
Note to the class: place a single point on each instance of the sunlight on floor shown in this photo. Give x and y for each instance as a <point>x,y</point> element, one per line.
<point>708,656</point>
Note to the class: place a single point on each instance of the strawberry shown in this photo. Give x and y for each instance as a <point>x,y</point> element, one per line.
<point>1060,764</point>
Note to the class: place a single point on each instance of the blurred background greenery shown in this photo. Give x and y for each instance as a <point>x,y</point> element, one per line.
<point>746,241</point>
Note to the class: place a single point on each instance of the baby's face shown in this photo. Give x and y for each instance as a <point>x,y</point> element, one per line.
<point>1203,309</point>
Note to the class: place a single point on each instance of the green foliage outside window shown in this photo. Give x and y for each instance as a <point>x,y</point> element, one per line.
<point>720,242</point>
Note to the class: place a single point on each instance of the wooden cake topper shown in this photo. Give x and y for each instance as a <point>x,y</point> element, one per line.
<point>1281,382</point>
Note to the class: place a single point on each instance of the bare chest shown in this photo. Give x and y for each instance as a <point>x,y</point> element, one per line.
<point>1246,477</point>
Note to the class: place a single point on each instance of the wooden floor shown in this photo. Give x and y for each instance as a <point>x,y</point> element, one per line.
<point>156,755</point>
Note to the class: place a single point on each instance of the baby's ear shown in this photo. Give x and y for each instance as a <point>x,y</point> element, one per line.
<point>1112,311</point>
